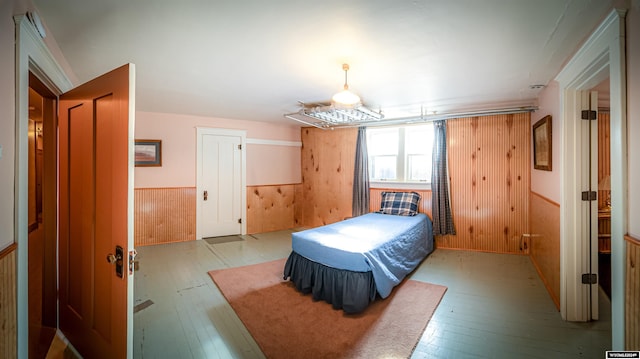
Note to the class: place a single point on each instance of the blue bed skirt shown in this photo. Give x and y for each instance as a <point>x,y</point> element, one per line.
<point>343,289</point>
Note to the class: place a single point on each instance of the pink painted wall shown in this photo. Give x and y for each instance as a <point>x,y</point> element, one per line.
<point>547,183</point>
<point>7,119</point>
<point>8,8</point>
<point>266,164</point>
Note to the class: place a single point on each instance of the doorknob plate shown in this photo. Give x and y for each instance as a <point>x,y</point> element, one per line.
<point>117,260</point>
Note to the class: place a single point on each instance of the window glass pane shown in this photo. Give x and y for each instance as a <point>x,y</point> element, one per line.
<point>401,153</point>
<point>383,141</point>
<point>418,149</point>
<point>419,168</point>
<point>383,167</point>
<point>416,140</point>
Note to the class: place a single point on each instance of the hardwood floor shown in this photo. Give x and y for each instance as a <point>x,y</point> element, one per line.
<point>495,305</point>
<point>189,318</point>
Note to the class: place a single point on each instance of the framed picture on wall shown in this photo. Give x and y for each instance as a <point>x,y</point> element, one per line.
<point>542,144</point>
<point>148,153</point>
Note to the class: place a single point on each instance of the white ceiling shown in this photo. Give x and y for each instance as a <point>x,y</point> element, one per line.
<point>255,59</point>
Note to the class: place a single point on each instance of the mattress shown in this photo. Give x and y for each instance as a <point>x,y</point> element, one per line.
<point>389,246</point>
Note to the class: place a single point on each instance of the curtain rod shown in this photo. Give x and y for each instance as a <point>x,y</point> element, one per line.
<point>419,118</point>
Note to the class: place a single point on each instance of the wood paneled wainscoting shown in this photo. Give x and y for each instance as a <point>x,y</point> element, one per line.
<point>545,243</point>
<point>632,290</point>
<point>8,305</point>
<point>164,215</point>
<point>167,215</point>
<point>271,207</point>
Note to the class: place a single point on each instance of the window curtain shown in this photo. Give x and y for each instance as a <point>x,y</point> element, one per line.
<point>360,202</point>
<point>440,207</point>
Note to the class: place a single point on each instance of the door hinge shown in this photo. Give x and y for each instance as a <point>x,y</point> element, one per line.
<point>239,220</point>
<point>589,196</point>
<point>240,147</point>
<point>589,278</point>
<point>589,115</point>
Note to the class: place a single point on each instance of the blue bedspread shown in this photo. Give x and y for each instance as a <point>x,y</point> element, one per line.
<point>387,245</point>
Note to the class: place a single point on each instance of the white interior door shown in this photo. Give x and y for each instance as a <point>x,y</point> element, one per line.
<point>589,208</point>
<point>593,209</point>
<point>220,183</point>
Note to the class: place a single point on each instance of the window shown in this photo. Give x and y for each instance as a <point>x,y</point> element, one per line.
<point>400,154</point>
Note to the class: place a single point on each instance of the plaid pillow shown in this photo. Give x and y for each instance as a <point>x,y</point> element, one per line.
<point>400,203</point>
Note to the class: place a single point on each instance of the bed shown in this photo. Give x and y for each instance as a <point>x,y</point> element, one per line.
<point>350,263</point>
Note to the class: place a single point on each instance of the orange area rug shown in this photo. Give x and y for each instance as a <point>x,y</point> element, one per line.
<point>288,324</point>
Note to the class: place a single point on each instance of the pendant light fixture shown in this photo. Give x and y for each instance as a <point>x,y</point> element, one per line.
<point>346,97</point>
<point>345,109</point>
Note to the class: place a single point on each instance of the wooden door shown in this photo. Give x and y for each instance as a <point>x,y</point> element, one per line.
<point>95,209</point>
<point>220,184</point>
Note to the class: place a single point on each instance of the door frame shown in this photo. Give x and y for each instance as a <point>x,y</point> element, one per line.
<point>601,56</point>
<point>49,208</point>
<point>200,131</point>
<point>32,55</point>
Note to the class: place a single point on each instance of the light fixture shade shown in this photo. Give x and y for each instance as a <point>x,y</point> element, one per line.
<point>346,97</point>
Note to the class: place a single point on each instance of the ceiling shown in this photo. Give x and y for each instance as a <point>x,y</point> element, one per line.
<point>256,60</point>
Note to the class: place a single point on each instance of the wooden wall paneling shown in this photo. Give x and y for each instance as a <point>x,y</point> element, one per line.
<point>8,305</point>
<point>545,243</point>
<point>298,205</point>
<point>518,181</point>
<point>164,215</point>
<point>327,174</point>
<point>307,165</point>
<point>255,197</point>
<point>270,208</point>
<point>632,290</point>
<point>489,168</point>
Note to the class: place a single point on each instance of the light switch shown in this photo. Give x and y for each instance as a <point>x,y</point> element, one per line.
<point>0,152</point>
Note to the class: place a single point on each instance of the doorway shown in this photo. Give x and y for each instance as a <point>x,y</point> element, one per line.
<point>33,59</point>
<point>602,56</point>
<point>604,187</point>
<point>604,202</point>
<point>42,217</point>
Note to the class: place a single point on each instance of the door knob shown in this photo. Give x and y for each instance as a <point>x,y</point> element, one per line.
<point>112,259</point>
<point>117,260</point>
